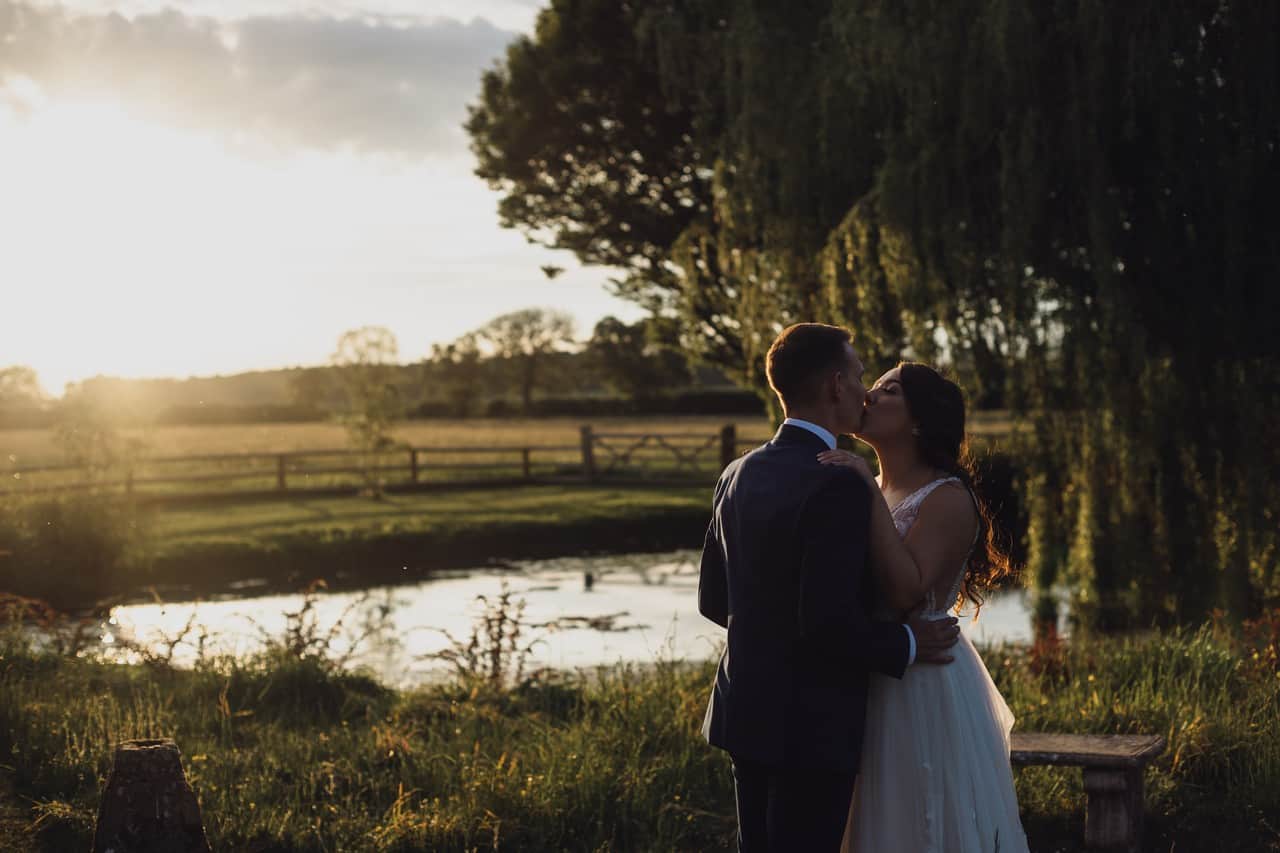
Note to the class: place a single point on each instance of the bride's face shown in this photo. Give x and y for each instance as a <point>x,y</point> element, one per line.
<point>886,415</point>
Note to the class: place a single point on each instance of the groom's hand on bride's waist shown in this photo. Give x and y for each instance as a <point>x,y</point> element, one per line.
<point>934,637</point>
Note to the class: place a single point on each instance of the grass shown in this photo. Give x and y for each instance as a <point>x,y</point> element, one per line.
<point>54,548</point>
<point>289,753</point>
<point>181,528</point>
<point>27,447</point>
<point>37,446</point>
<point>362,541</point>
<point>1212,696</point>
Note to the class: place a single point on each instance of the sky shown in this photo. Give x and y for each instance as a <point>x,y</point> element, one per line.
<point>217,186</point>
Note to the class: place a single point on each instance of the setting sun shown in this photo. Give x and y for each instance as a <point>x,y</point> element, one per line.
<point>174,211</point>
<point>123,231</point>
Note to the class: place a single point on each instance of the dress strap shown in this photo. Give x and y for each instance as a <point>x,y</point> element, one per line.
<point>917,497</point>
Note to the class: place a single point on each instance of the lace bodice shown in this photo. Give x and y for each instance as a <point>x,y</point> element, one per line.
<point>905,515</point>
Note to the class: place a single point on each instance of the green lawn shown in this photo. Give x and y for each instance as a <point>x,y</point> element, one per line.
<point>74,551</point>
<point>447,513</point>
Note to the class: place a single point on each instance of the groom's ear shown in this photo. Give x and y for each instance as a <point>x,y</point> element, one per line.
<point>833,385</point>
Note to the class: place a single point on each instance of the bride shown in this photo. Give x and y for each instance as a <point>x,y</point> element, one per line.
<point>935,772</point>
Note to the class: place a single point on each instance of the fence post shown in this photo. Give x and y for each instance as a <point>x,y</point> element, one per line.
<point>524,462</point>
<point>280,472</point>
<point>588,454</point>
<point>728,445</point>
<point>147,804</point>
<point>413,464</point>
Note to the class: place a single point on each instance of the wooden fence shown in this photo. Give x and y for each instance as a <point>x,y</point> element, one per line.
<point>597,457</point>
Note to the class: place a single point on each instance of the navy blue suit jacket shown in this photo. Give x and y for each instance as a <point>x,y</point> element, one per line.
<point>784,569</point>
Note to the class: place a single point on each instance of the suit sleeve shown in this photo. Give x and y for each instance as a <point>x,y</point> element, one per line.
<point>713,581</point>
<point>713,585</point>
<point>833,532</point>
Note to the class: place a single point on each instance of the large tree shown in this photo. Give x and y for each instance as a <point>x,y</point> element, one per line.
<point>1070,202</point>
<point>593,153</point>
<point>628,359</point>
<point>1076,200</point>
<point>526,340</point>
<point>19,387</point>
<point>455,372</point>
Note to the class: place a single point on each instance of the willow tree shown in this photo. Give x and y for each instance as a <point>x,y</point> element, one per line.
<point>1071,203</point>
<point>1073,199</point>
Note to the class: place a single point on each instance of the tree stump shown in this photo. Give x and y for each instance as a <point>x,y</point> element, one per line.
<point>147,806</point>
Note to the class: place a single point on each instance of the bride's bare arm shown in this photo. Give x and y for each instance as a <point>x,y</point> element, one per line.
<point>934,547</point>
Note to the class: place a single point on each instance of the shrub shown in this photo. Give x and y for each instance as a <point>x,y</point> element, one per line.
<point>66,549</point>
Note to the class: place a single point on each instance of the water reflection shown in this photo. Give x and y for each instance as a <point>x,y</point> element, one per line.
<point>587,611</point>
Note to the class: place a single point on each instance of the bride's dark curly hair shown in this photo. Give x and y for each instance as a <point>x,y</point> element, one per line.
<point>937,407</point>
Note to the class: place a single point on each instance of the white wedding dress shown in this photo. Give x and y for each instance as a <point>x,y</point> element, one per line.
<point>935,774</point>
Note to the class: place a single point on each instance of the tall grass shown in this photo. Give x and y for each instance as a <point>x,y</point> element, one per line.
<point>288,751</point>
<point>1213,695</point>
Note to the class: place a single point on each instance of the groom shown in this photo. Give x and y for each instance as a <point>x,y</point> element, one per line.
<point>784,568</point>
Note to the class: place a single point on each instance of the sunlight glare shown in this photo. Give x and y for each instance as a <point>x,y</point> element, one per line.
<point>137,250</point>
<point>113,227</point>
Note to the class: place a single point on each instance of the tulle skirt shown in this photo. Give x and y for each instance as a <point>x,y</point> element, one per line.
<point>935,774</point>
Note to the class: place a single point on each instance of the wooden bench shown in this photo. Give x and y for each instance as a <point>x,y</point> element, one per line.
<point>1113,766</point>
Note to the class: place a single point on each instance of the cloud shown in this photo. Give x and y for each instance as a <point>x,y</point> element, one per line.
<point>374,84</point>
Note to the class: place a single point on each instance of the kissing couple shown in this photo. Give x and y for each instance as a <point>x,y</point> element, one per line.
<point>856,716</point>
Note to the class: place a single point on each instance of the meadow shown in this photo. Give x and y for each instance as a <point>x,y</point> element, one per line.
<point>77,549</point>
<point>288,752</point>
<point>40,447</point>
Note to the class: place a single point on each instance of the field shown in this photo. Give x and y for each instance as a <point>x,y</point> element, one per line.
<point>288,753</point>
<point>243,522</point>
<point>38,446</point>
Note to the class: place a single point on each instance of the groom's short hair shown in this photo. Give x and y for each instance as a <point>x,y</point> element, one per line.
<point>800,356</point>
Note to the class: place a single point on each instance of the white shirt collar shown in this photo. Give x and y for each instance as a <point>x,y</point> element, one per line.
<point>820,432</point>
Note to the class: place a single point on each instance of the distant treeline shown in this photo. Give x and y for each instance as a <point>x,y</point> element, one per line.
<point>693,401</point>
<point>623,369</point>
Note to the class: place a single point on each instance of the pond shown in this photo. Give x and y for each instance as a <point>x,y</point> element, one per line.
<point>633,608</point>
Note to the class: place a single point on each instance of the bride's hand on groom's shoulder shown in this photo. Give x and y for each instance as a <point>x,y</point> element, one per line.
<point>848,459</point>
<point>934,637</point>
